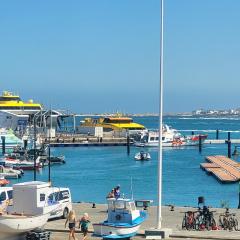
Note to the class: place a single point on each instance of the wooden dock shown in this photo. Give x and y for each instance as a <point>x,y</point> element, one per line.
<point>223,168</point>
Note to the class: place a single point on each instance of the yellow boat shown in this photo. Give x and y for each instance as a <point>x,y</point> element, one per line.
<point>115,123</point>
<point>12,103</point>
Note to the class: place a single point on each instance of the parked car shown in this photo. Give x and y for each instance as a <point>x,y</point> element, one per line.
<point>6,196</point>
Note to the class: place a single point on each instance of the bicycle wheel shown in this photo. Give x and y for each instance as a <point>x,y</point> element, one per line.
<point>208,224</point>
<point>184,221</point>
<point>225,224</point>
<point>213,224</point>
<point>196,224</point>
<point>231,223</point>
<point>188,224</point>
<point>200,224</point>
<point>235,224</point>
<point>220,222</point>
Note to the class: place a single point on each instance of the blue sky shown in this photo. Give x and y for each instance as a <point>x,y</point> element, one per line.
<point>103,55</point>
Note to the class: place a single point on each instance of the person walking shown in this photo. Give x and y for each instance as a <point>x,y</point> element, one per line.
<point>71,220</point>
<point>83,223</point>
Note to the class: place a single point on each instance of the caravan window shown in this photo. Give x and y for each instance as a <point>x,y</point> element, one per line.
<point>64,195</point>
<point>42,197</point>
<point>3,196</point>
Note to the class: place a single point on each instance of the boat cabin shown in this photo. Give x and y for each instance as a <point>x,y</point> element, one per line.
<point>122,210</point>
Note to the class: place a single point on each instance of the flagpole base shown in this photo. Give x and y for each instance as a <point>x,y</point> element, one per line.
<point>154,233</point>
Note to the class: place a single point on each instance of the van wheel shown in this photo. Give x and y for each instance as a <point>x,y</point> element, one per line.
<point>65,213</point>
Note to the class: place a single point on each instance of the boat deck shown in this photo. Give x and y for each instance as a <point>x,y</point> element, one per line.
<point>223,168</point>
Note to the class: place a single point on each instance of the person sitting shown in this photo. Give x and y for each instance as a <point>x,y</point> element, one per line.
<point>111,194</point>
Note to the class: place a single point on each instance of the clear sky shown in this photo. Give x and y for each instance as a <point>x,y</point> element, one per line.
<point>103,55</point>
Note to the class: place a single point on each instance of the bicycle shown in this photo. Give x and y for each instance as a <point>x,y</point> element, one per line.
<point>189,221</point>
<point>205,219</point>
<point>228,221</point>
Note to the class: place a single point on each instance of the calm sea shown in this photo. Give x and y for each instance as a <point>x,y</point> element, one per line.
<point>91,172</point>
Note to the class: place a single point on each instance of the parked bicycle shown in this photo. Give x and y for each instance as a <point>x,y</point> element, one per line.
<point>189,220</point>
<point>228,221</point>
<point>205,219</point>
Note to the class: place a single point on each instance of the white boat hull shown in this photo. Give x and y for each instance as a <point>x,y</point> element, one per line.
<point>13,224</point>
<point>113,231</point>
<point>165,144</point>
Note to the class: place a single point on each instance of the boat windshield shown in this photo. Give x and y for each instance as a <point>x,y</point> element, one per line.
<point>118,120</point>
<point>9,99</point>
<point>120,205</point>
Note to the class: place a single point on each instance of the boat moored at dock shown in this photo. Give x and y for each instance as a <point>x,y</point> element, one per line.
<point>123,221</point>
<point>12,103</point>
<point>170,138</point>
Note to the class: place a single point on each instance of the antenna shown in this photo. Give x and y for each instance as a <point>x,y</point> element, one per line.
<point>131,189</point>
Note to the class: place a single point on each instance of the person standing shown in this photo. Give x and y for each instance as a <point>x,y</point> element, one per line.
<point>117,192</point>
<point>71,220</point>
<point>83,223</point>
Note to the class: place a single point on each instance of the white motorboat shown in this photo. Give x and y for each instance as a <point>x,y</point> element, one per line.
<point>19,223</point>
<point>170,138</point>
<point>10,172</point>
<point>142,156</point>
<point>124,220</point>
<point>21,164</point>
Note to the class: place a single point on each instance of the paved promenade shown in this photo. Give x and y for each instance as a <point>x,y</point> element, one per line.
<point>171,219</point>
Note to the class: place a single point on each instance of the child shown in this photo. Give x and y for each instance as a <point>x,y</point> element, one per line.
<point>84,221</point>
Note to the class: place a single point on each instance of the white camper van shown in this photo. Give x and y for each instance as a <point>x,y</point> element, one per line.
<point>37,198</point>
<point>63,197</point>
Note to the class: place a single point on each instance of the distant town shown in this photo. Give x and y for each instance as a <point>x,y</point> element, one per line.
<point>198,112</point>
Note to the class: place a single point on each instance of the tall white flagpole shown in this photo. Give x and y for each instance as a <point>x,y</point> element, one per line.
<point>159,206</point>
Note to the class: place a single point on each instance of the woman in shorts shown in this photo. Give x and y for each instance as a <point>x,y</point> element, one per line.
<point>71,220</point>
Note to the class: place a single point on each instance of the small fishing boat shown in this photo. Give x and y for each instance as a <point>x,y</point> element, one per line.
<point>124,220</point>
<point>20,223</point>
<point>142,156</point>
<point>57,159</point>
<point>22,164</point>
<point>10,172</point>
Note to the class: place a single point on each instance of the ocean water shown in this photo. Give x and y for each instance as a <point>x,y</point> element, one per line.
<point>91,172</point>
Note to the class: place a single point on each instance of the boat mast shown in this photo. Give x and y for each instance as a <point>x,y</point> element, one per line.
<point>159,205</point>
<point>49,149</point>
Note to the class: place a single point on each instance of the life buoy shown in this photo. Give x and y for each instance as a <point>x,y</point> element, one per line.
<point>118,217</point>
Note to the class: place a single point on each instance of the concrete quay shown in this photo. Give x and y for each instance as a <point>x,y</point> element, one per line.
<point>171,219</point>
<point>220,141</point>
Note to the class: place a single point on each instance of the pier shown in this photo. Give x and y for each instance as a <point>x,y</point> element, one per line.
<point>220,141</point>
<point>223,168</point>
<point>83,140</point>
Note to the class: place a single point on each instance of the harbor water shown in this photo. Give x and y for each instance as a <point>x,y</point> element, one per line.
<point>91,172</point>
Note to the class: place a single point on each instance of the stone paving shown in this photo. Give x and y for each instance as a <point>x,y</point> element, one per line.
<point>171,219</point>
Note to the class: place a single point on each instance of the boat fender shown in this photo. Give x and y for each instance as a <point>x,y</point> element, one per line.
<point>118,217</point>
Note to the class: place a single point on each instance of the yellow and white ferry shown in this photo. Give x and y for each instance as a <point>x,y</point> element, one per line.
<point>114,123</point>
<point>12,103</point>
